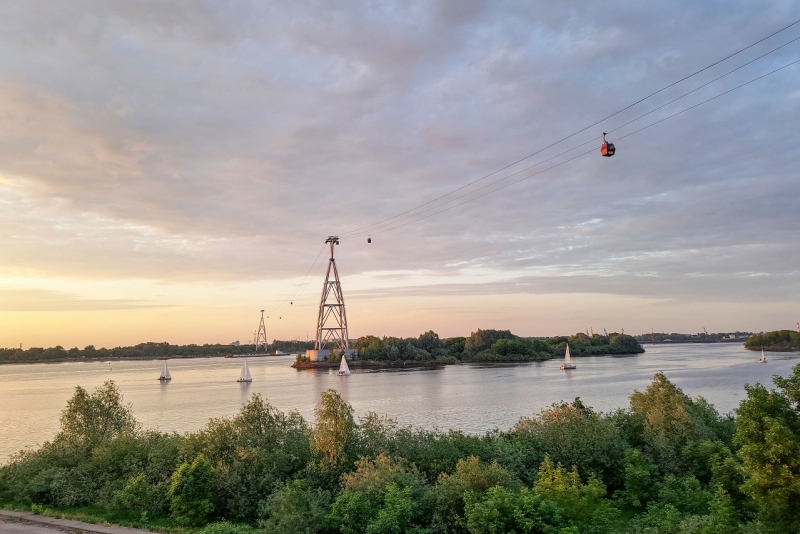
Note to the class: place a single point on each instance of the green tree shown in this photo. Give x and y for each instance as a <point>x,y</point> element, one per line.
<point>641,480</point>
<point>334,432</point>
<point>295,508</point>
<point>503,510</point>
<point>252,453</point>
<point>484,339</point>
<point>379,496</point>
<point>494,514</point>
<point>777,340</point>
<point>513,347</point>
<point>768,432</point>
<point>397,512</point>
<point>670,422</point>
<point>455,346</point>
<point>471,477</point>
<point>429,341</point>
<point>192,491</point>
<point>685,494</point>
<point>93,418</point>
<point>723,518</point>
<point>581,505</point>
<point>574,435</point>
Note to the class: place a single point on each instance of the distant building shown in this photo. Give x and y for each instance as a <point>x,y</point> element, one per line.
<point>235,344</point>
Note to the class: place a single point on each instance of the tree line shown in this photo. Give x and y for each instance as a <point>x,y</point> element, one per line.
<point>665,464</point>
<point>491,345</point>
<point>480,345</point>
<point>140,351</point>
<point>701,337</point>
<point>779,340</point>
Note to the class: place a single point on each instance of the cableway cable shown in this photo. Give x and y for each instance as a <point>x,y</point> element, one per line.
<point>393,225</point>
<point>382,228</point>
<point>297,289</point>
<point>360,230</point>
<point>583,153</point>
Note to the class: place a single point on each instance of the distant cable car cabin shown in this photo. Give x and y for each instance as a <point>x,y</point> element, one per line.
<point>607,150</point>
<point>369,240</point>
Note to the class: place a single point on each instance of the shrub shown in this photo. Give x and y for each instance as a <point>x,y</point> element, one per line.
<point>191,492</point>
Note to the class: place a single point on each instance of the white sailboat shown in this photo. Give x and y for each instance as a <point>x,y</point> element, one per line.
<point>763,358</point>
<point>344,370</point>
<point>165,376</point>
<point>568,361</point>
<point>244,376</point>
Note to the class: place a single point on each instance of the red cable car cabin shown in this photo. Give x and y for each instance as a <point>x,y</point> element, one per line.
<point>607,150</point>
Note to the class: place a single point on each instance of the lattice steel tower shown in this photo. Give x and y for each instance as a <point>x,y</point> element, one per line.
<point>261,336</point>
<point>331,309</point>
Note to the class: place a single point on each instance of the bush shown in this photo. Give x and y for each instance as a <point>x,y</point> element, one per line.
<point>224,527</point>
<point>192,491</point>
<point>295,508</point>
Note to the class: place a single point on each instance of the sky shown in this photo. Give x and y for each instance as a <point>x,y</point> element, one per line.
<point>167,170</point>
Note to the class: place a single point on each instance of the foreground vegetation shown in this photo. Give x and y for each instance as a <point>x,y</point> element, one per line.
<point>665,464</point>
<point>779,340</point>
<point>483,345</point>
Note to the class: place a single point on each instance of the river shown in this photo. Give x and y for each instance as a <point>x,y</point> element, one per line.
<point>469,397</point>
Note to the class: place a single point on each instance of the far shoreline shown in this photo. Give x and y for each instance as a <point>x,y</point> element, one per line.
<point>145,358</point>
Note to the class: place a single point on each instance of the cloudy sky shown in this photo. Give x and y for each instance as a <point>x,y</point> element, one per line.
<point>167,169</point>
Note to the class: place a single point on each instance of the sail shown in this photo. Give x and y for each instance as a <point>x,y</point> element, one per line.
<point>763,358</point>
<point>165,372</point>
<point>567,358</point>
<point>343,368</point>
<point>245,375</point>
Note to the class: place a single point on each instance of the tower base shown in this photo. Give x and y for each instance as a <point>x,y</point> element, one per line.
<point>322,355</point>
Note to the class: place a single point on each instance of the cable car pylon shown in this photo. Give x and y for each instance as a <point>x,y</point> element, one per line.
<point>332,335</point>
<point>261,336</point>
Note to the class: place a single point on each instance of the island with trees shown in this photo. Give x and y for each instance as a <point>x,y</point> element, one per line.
<point>480,346</point>
<point>777,341</point>
<point>667,463</point>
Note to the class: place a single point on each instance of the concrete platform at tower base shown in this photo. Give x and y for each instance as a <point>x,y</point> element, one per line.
<point>324,354</point>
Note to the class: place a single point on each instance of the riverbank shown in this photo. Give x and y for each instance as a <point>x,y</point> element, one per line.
<point>410,364</point>
<point>371,364</point>
<point>140,358</point>
<point>774,348</point>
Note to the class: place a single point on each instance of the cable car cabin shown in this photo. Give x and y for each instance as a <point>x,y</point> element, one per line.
<point>369,240</point>
<point>607,149</point>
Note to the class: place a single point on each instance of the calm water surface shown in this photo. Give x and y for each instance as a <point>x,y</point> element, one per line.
<point>472,398</point>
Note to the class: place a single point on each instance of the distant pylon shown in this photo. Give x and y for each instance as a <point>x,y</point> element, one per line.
<point>261,336</point>
<point>331,309</point>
